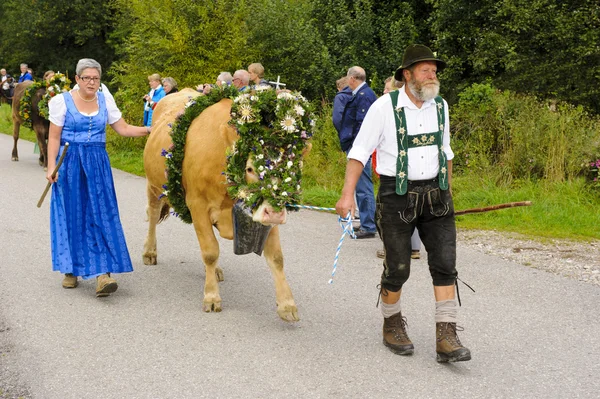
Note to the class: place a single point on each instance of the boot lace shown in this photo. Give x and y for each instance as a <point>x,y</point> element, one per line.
<point>397,324</point>
<point>448,331</point>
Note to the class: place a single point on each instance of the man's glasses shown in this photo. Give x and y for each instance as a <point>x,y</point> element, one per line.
<point>87,79</point>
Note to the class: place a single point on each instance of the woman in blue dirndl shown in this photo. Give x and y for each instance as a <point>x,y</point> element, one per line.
<point>86,235</point>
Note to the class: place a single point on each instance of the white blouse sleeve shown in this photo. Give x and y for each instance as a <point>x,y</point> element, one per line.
<point>114,114</point>
<point>57,110</point>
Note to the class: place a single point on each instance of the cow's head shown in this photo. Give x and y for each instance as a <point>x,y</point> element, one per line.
<point>264,167</point>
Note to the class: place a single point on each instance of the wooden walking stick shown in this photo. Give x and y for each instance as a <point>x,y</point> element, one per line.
<point>493,207</point>
<point>60,161</point>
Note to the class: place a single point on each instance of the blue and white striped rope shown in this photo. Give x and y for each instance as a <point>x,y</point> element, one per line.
<point>345,224</point>
<point>316,208</point>
<point>347,229</point>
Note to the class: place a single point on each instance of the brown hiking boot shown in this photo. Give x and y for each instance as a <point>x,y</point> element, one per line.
<point>448,346</point>
<point>69,281</point>
<point>415,254</point>
<point>105,285</point>
<point>394,335</point>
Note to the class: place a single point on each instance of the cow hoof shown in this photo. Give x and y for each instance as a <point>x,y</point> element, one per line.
<point>219,274</point>
<point>288,313</point>
<point>149,259</point>
<point>208,306</point>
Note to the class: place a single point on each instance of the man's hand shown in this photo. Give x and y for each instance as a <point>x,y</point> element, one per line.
<point>344,205</point>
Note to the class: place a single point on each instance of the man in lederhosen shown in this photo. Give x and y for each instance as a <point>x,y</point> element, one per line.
<point>409,129</point>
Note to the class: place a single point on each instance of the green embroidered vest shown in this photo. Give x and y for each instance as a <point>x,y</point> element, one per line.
<point>426,139</point>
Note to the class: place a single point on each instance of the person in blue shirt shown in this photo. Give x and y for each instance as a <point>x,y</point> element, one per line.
<point>353,114</point>
<point>24,74</point>
<point>154,96</point>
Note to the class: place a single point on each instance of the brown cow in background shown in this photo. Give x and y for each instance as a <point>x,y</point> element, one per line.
<point>41,125</point>
<point>208,138</point>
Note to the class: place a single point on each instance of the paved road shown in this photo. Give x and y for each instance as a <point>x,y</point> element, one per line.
<point>532,334</point>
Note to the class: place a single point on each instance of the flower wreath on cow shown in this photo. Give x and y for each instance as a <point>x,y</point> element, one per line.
<point>273,131</point>
<point>58,84</point>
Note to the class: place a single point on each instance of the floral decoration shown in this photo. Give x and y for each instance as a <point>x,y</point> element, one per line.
<point>173,190</point>
<point>273,132</point>
<point>58,84</point>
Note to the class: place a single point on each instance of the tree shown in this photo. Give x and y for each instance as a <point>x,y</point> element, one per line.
<point>54,34</point>
<point>545,47</point>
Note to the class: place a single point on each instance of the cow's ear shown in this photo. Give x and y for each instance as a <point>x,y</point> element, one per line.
<point>228,134</point>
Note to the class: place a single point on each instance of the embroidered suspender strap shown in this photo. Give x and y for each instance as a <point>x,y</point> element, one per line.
<point>435,138</point>
<point>401,138</point>
<point>443,174</point>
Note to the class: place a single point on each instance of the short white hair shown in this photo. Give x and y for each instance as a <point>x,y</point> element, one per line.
<point>86,63</point>
<point>225,77</point>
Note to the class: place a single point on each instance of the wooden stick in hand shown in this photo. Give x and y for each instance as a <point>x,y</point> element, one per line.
<point>60,161</point>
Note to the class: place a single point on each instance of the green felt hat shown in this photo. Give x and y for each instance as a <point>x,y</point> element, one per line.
<point>417,53</point>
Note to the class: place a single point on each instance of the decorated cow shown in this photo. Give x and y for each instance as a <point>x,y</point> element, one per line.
<point>230,161</point>
<point>30,109</point>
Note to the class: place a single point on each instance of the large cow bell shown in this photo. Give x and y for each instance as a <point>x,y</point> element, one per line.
<point>248,235</point>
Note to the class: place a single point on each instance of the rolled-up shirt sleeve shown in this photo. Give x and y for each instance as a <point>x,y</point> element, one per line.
<point>114,114</point>
<point>57,110</point>
<point>369,134</point>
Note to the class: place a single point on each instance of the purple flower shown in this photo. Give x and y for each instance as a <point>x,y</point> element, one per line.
<point>164,153</point>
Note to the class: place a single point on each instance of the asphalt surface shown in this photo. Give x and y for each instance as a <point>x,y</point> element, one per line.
<point>532,334</point>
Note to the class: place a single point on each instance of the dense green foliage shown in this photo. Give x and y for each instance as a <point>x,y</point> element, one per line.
<point>544,47</point>
<point>54,34</point>
<point>517,137</point>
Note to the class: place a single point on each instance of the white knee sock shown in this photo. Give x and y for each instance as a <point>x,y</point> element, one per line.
<point>446,311</point>
<point>389,309</point>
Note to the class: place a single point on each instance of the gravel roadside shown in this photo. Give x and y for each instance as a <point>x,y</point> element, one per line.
<point>572,259</point>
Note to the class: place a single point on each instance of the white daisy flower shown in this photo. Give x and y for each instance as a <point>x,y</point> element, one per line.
<point>299,110</point>
<point>288,124</point>
<point>289,164</point>
<point>246,113</point>
<point>286,95</point>
<point>289,179</point>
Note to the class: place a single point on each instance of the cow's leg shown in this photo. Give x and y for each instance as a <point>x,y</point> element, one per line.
<point>286,307</point>
<point>153,210</point>
<point>43,144</point>
<point>209,248</point>
<point>16,128</point>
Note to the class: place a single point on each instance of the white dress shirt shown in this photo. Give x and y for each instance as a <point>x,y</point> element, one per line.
<point>378,132</point>
<point>58,108</point>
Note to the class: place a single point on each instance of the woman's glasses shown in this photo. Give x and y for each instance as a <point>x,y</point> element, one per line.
<point>87,79</point>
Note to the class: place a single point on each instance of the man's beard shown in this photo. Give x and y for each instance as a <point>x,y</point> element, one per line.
<point>425,91</point>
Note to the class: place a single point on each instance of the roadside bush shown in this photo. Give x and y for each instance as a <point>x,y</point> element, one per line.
<point>519,137</point>
<point>325,166</point>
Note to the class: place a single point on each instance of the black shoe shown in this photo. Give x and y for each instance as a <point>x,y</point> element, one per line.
<point>360,234</point>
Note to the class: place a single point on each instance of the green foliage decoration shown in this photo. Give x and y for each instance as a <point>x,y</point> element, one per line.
<point>174,157</point>
<point>274,130</point>
<point>58,84</point>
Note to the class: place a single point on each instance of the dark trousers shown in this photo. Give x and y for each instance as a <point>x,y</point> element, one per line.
<point>429,210</point>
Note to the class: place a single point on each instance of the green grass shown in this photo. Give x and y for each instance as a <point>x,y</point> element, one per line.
<point>560,210</point>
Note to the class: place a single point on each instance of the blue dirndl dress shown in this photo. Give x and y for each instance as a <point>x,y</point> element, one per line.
<point>86,235</point>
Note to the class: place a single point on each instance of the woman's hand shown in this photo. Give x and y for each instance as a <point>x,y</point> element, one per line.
<point>49,175</point>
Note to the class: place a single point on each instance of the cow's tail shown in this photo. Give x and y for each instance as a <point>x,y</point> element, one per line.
<point>164,212</point>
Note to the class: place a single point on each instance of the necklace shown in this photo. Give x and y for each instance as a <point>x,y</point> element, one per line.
<point>87,101</point>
